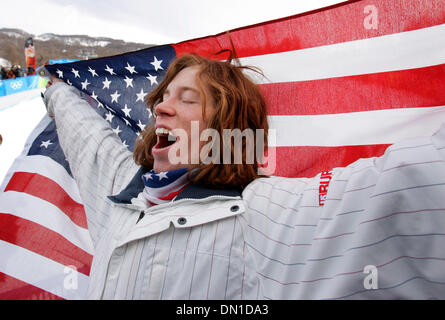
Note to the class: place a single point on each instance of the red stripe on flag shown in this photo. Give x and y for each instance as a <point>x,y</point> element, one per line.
<point>423,87</point>
<point>309,161</point>
<point>48,190</point>
<point>43,241</point>
<point>173,194</point>
<point>15,289</point>
<point>339,23</point>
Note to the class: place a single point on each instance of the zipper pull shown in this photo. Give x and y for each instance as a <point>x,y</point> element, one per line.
<point>141,215</point>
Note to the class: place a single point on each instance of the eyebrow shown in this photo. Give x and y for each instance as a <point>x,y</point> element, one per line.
<point>184,88</point>
<point>189,89</point>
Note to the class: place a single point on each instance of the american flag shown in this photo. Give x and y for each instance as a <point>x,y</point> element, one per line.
<point>342,83</point>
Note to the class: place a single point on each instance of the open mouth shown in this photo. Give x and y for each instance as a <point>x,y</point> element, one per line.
<point>165,138</point>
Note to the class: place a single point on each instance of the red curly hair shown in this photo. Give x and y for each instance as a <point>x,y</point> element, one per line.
<point>239,104</point>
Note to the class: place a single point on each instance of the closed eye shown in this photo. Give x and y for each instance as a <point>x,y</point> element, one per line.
<point>189,101</point>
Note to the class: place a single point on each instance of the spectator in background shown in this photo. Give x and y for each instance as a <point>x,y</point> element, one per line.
<point>16,71</point>
<point>30,71</point>
<point>10,74</point>
<point>3,73</point>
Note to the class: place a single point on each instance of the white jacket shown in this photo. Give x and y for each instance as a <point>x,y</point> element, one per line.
<point>379,235</point>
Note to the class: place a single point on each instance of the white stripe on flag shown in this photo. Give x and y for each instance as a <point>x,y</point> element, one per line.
<point>47,167</point>
<point>356,128</point>
<point>400,51</point>
<point>34,134</point>
<point>52,276</point>
<point>31,208</point>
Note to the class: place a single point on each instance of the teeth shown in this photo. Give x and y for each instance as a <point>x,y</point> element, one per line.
<point>163,132</point>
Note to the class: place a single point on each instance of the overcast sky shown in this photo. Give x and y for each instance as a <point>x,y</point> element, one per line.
<point>146,21</point>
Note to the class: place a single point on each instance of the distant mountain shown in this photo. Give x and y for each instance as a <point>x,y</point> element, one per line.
<point>52,46</point>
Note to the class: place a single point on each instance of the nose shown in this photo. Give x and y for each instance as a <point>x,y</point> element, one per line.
<point>165,108</point>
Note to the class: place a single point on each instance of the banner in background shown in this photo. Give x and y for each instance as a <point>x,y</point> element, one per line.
<point>11,86</point>
<point>60,61</point>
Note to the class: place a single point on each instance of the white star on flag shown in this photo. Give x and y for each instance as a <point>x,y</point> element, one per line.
<point>157,64</point>
<point>76,73</point>
<point>106,83</point>
<point>152,79</point>
<point>109,116</point>
<point>117,130</point>
<point>126,110</point>
<point>115,96</point>
<point>141,125</point>
<point>141,95</point>
<point>92,71</point>
<point>110,70</point>
<point>59,73</point>
<point>85,84</point>
<point>129,82</point>
<point>162,175</point>
<point>130,68</point>
<point>46,144</point>
<point>94,96</point>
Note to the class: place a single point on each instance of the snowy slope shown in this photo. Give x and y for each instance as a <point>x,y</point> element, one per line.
<point>19,115</point>
<point>75,40</point>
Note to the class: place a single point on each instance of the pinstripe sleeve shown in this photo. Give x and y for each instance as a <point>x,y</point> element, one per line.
<point>100,164</point>
<point>438,141</point>
<point>384,216</point>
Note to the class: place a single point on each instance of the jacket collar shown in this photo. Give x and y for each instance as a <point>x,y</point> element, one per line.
<point>192,191</point>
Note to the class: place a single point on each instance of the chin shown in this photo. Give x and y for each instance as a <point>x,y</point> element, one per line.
<point>162,168</point>
<point>167,167</point>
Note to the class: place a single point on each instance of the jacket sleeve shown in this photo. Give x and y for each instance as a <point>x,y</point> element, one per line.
<point>100,163</point>
<point>388,222</point>
<point>379,235</point>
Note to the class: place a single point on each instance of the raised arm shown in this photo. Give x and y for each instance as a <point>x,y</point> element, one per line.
<point>100,163</point>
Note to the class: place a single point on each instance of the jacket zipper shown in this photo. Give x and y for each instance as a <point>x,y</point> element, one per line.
<point>141,215</point>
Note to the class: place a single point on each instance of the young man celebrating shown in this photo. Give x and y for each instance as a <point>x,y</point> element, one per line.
<point>194,229</point>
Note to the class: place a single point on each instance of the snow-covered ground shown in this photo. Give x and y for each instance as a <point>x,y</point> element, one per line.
<point>73,40</point>
<point>19,115</point>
